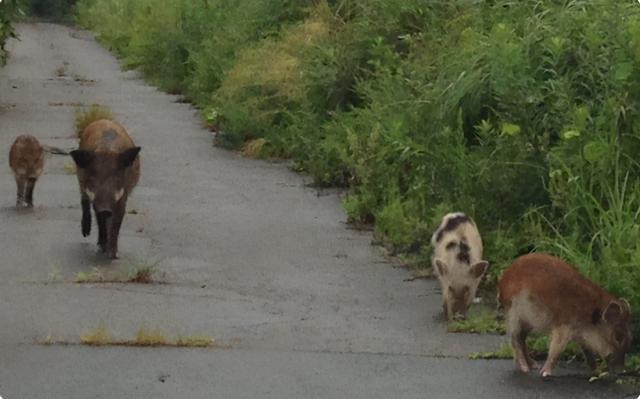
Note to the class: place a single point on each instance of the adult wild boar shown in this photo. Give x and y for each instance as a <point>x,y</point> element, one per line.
<point>457,262</point>
<point>108,169</point>
<point>542,293</point>
<point>26,159</point>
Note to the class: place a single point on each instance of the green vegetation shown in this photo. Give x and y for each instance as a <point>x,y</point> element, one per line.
<point>58,10</point>
<point>479,322</point>
<point>538,347</point>
<point>8,11</point>
<point>85,116</point>
<point>524,114</point>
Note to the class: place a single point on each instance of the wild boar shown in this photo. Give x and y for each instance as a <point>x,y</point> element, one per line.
<point>542,293</point>
<point>26,159</point>
<point>108,169</point>
<point>457,262</point>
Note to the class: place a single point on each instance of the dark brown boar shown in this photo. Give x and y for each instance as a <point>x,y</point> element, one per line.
<point>26,159</point>
<point>108,169</point>
<point>542,293</point>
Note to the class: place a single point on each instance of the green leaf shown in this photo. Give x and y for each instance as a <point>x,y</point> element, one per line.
<point>510,129</point>
<point>623,71</point>
<point>594,151</point>
<point>569,134</point>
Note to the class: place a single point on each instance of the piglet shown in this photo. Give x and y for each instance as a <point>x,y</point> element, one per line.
<point>26,159</point>
<point>542,293</point>
<point>457,262</point>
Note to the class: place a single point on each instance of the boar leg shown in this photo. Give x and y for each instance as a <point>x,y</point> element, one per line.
<point>589,357</point>
<point>86,216</point>
<point>31,183</point>
<point>102,230</point>
<point>114,228</point>
<point>560,337</point>
<point>20,183</point>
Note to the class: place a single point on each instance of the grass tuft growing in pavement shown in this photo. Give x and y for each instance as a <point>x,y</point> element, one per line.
<point>97,337</point>
<point>538,347</point>
<point>85,116</point>
<point>481,322</point>
<point>140,272</point>
<point>144,338</point>
<point>94,276</point>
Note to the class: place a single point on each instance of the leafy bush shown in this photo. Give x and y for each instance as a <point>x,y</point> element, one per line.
<point>7,13</point>
<point>523,114</point>
<point>55,9</point>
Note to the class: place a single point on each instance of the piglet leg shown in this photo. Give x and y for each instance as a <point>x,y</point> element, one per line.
<point>560,337</point>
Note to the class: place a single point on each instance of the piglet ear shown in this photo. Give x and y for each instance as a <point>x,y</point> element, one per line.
<point>82,158</point>
<point>441,267</point>
<point>478,269</point>
<point>613,313</point>
<point>625,305</point>
<point>127,157</point>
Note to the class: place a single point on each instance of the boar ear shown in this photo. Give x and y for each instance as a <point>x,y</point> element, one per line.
<point>478,269</point>
<point>441,267</point>
<point>127,157</point>
<point>82,158</point>
<point>625,305</point>
<point>613,312</point>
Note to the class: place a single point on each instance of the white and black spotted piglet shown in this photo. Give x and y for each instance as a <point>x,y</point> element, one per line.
<point>457,262</point>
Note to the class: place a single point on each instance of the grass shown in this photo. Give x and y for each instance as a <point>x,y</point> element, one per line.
<point>480,322</point>
<point>139,272</point>
<point>98,337</point>
<point>253,148</point>
<point>69,168</point>
<point>538,346</point>
<point>503,352</point>
<point>85,116</point>
<point>94,276</point>
<point>145,338</point>
<point>55,274</point>
<point>142,274</point>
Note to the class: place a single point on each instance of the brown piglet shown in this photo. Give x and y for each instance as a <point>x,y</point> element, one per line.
<point>26,159</point>
<point>108,169</point>
<point>542,293</point>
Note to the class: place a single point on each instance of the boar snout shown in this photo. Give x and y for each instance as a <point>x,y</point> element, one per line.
<point>104,214</point>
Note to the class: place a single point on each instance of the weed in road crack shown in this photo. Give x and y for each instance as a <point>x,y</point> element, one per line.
<point>69,168</point>
<point>144,338</point>
<point>538,346</point>
<point>84,117</point>
<point>481,322</point>
<point>97,337</point>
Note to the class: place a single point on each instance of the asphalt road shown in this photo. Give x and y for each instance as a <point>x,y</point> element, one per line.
<point>300,305</point>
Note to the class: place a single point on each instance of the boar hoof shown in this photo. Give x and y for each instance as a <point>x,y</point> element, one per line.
<point>86,228</point>
<point>545,373</point>
<point>524,367</point>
